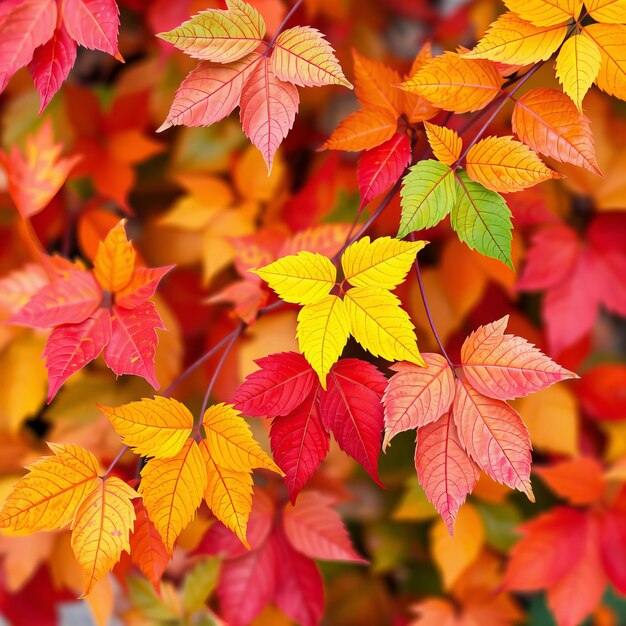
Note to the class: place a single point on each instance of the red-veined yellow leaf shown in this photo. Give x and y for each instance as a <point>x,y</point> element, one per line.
<point>607,11</point>
<point>610,40</point>
<point>577,67</point>
<point>545,12</point>
<point>444,142</point>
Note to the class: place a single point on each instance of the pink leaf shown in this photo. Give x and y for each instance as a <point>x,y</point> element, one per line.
<point>71,346</point>
<point>247,584</point>
<point>352,410</point>
<point>613,547</point>
<point>416,396</point>
<point>445,472</point>
<point>382,166</point>
<point>316,530</point>
<point>506,367</point>
<point>283,382</point>
<point>210,92</point>
<point>24,26</point>
<point>68,300</point>
<point>494,435</point>
<point>299,588</point>
<point>142,286</point>
<point>299,443</point>
<point>133,341</point>
<point>51,64</point>
<point>93,24</point>
<point>268,109</point>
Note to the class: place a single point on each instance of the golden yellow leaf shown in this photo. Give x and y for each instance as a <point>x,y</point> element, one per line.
<point>172,490</point>
<point>231,443</point>
<point>300,278</point>
<point>454,554</point>
<point>607,11</point>
<point>323,330</point>
<point>577,67</point>
<point>156,428</point>
<point>457,84</point>
<point>545,12</point>
<point>610,41</point>
<point>505,165</point>
<point>228,494</point>
<point>444,142</point>
<point>383,262</point>
<point>551,416</point>
<point>115,260</point>
<point>381,325</point>
<point>47,497</point>
<point>101,528</point>
<point>514,41</point>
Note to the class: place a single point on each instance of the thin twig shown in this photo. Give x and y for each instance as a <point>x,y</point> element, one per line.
<point>282,25</point>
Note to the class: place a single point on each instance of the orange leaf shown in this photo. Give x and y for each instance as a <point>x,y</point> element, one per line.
<point>375,84</point>
<point>506,165</point>
<point>580,481</point>
<point>115,260</point>
<point>363,130</point>
<point>457,84</point>
<point>445,143</point>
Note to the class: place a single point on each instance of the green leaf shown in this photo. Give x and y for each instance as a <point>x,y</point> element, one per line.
<point>428,193</point>
<point>199,584</point>
<point>501,522</point>
<point>144,598</point>
<point>482,220</point>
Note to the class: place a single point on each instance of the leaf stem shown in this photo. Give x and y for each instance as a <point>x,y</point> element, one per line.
<point>282,25</point>
<point>114,462</point>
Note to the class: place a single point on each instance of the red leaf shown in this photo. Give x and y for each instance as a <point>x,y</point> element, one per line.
<point>283,382</point>
<point>613,547</point>
<point>68,300</point>
<point>51,64</point>
<point>494,436</point>
<point>382,167</point>
<point>147,550</point>
<point>299,443</point>
<point>506,367</point>
<point>416,396</point>
<point>71,346</point>
<point>551,546</point>
<point>445,472</point>
<point>352,410</point>
<point>601,391</point>
<point>93,24</point>
<point>299,589</point>
<point>268,109</point>
<point>579,481</point>
<point>316,530</point>
<point>247,584</point>
<point>133,341</point>
<point>143,284</point>
<point>24,26</point>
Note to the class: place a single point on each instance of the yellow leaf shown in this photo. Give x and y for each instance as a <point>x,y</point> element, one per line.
<point>228,494</point>
<point>302,56</point>
<point>445,143</point>
<point>300,278</point>
<point>101,528</point>
<point>172,490</point>
<point>115,260</point>
<point>610,41</point>
<point>155,428</point>
<point>512,40</point>
<point>551,416</point>
<point>456,84</point>
<point>545,12</point>
<point>577,67</point>
<point>323,330</point>
<point>454,554</point>
<point>47,497</point>
<point>231,443</point>
<point>380,325</point>
<point>383,262</point>
<point>608,11</point>
<point>24,379</point>
<point>506,165</point>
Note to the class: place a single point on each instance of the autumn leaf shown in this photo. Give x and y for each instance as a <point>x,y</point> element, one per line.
<point>115,260</point>
<point>513,40</point>
<point>612,75</point>
<point>545,12</point>
<point>444,142</point>
<point>577,67</point>
<point>47,497</point>
<point>101,528</point>
<point>505,165</point>
<point>153,428</point>
<point>456,83</point>
<point>548,122</point>
<point>363,130</point>
<point>35,177</point>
